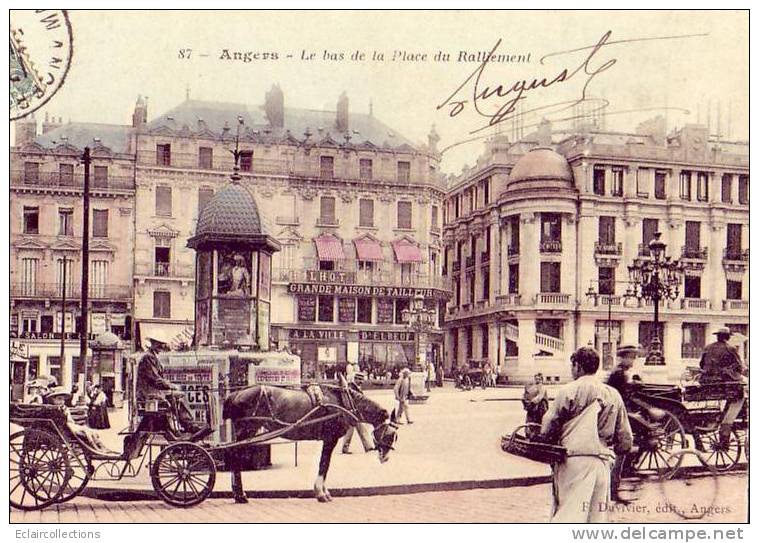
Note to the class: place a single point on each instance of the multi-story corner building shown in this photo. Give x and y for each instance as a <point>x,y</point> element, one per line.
<point>46,217</point>
<point>540,233</point>
<point>355,206</point>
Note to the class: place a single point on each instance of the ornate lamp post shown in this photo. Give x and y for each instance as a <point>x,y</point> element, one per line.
<point>418,319</point>
<point>655,279</point>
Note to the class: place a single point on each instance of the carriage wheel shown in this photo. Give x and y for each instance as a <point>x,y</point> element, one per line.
<point>38,467</point>
<point>183,474</point>
<point>656,452</point>
<point>80,471</point>
<point>692,496</point>
<point>721,456</point>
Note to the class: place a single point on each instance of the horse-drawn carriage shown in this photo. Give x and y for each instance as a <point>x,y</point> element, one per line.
<point>662,419</point>
<point>52,458</point>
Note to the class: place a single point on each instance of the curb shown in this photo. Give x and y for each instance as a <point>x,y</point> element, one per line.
<point>107,494</point>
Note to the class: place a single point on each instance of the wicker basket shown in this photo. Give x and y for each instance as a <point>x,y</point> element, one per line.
<point>545,453</point>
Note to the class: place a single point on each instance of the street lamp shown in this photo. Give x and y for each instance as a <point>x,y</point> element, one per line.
<point>418,319</point>
<point>655,279</point>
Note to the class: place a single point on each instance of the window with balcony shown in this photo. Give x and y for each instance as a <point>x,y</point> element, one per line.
<point>734,246</point>
<point>692,239</point>
<point>743,189</point>
<point>246,161</point>
<point>366,212</point>
<point>65,221</point>
<point>727,188</point>
<point>365,169</point>
<point>485,274</point>
<point>606,280</point>
<point>617,180</point>
<point>327,210</point>
<point>100,223</point>
<point>364,310</point>
<point>163,154</point>
<point>326,167</point>
<point>404,171</point>
<point>607,230</point>
<point>685,185</point>
<point>205,158</point>
<point>734,290</point>
<point>161,304</point>
<point>650,227</point>
<point>486,191</point>
<point>326,309</point>
<point>660,185</point>
<point>434,225</point>
<point>599,180</point>
<point>404,215</point>
<point>100,177</point>
<point>692,287</point>
<point>204,196</point>
<point>31,220</point>
<point>99,279</point>
<point>550,277</point>
<point>550,233</point>
<point>163,201</point>
<point>513,278</point>
<point>32,172</point>
<point>29,267</point>
<point>471,285</point>
<point>162,260</point>
<point>514,235</point>
<point>694,339</point>
<point>64,268</point>
<point>66,173</point>
<point>702,187</point>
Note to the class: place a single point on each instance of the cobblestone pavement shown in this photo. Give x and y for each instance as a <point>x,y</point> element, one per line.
<point>724,497</point>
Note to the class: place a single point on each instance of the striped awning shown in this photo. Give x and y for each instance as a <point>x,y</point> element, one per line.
<point>406,252</point>
<point>367,249</point>
<point>329,247</point>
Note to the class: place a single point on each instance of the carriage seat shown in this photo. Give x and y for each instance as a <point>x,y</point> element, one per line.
<point>715,391</point>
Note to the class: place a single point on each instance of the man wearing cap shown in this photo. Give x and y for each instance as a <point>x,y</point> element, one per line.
<point>721,363</point>
<point>152,385</point>
<point>588,418</point>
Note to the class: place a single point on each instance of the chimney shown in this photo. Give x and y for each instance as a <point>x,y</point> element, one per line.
<point>341,120</point>
<point>50,123</point>
<point>26,130</point>
<point>433,138</point>
<point>140,115</point>
<point>274,107</point>
<point>544,132</point>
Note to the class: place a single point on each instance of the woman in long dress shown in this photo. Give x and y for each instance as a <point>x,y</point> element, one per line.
<point>97,415</point>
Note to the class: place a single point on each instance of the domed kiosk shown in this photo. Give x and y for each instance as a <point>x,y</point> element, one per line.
<point>542,168</point>
<point>232,271</point>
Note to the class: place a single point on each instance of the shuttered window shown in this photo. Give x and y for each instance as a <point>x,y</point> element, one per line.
<point>205,158</point>
<point>246,161</point>
<point>606,230</point>
<point>100,178</point>
<point>660,185</point>
<point>100,223</point>
<point>743,189</point>
<point>404,171</point>
<point>327,211</point>
<point>32,172</point>
<point>366,212</point>
<point>650,227</point>
<point>734,241</point>
<point>29,276</point>
<point>161,304</point>
<point>692,235</point>
<point>163,201</point>
<point>727,188</point>
<point>404,215</point>
<point>434,221</point>
<point>31,220</point>
<point>326,167</point>
<point>163,154</point>
<point>365,169</point>
<point>67,174</point>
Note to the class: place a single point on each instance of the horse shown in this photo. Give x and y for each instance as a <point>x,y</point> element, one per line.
<point>269,409</point>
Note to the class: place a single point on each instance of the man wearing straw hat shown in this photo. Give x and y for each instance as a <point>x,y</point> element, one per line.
<point>721,363</point>
<point>588,418</point>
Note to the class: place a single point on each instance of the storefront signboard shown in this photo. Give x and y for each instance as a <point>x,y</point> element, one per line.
<point>337,289</point>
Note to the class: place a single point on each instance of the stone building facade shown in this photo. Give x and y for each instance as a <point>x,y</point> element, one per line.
<point>539,235</point>
<point>46,215</point>
<point>355,207</point>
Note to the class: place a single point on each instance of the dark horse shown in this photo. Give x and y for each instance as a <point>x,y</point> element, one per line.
<point>268,409</point>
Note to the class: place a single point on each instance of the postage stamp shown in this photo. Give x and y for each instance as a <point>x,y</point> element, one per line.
<point>41,47</point>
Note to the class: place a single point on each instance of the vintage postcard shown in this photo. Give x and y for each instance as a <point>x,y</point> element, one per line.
<point>379,267</point>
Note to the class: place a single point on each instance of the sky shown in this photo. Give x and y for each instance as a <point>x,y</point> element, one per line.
<point>120,54</point>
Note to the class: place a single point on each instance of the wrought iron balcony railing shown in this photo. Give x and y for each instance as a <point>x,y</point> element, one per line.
<point>695,253</point>
<point>76,181</point>
<point>550,246</point>
<point>73,291</point>
<point>606,248</point>
<point>738,255</point>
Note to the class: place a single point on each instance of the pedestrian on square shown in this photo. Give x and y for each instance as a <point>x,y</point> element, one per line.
<point>402,391</point>
<point>588,418</point>
<point>430,375</point>
<point>97,412</point>
<point>356,381</point>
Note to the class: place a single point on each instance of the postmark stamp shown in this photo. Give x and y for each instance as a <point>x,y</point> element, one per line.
<point>41,49</point>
